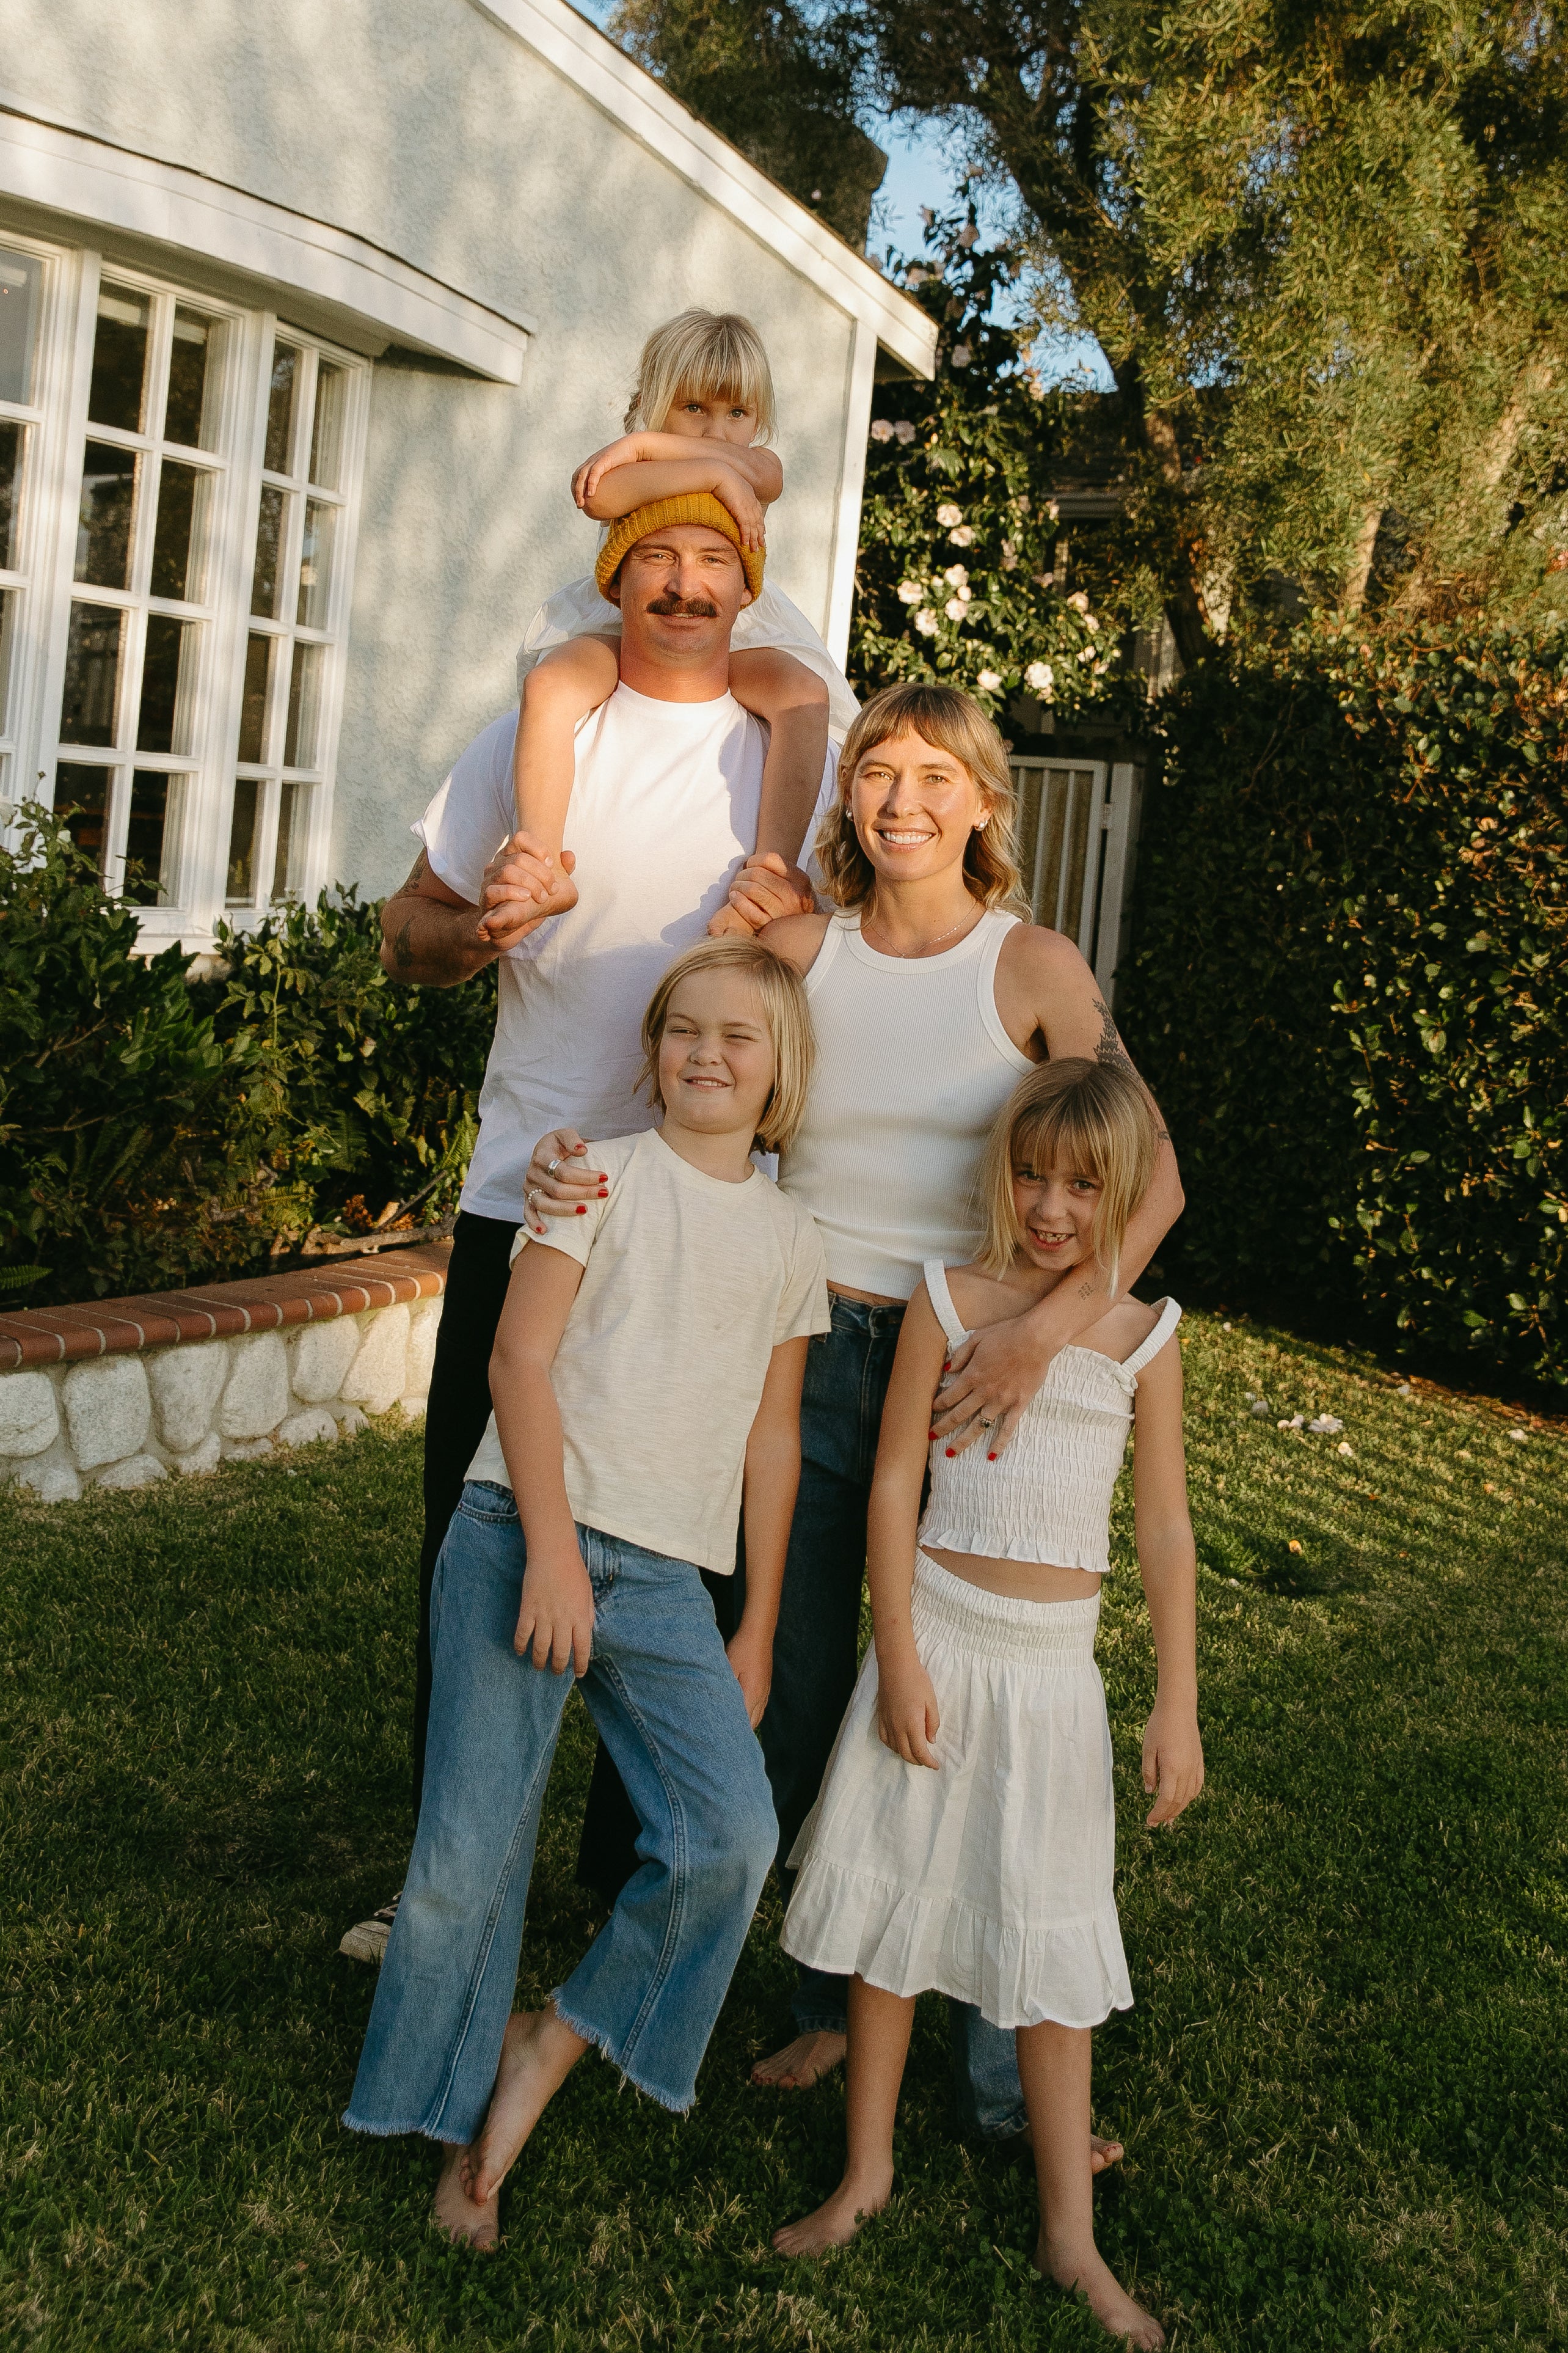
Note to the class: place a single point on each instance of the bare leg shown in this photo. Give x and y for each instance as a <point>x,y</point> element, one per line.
<point>879,2026</point>
<point>793,700</point>
<point>1054,2064</point>
<point>801,2062</point>
<point>564,686</point>
<point>538,2053</point>
<point>811,2056</point>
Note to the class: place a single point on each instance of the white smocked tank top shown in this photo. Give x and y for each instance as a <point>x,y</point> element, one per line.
<point>912,1066</point>
<point>1047,1497</point>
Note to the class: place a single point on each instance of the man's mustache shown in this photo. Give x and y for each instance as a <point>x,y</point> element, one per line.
<point>685,608</point>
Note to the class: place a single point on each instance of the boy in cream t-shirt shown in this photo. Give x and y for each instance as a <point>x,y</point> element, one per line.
<point>638,1420</point>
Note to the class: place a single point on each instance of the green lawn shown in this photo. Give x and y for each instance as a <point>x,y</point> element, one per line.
<point>1341,2088</point>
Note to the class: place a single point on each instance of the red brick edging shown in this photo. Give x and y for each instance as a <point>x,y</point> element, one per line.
<point>104,1327</point>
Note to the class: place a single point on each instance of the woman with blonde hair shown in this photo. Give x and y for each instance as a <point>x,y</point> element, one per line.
<point>932,997</point>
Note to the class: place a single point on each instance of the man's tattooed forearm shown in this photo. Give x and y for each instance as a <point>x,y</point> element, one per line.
<point>403,945</point>
<point>1110,1048</point>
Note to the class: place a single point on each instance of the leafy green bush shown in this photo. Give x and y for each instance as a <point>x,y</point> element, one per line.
<point>156,1128</point>
<point>1348,986</point>
<point>378,1084</point>
<point>132,1141</point>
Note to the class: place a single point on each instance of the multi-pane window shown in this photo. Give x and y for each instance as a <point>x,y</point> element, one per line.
<point>289,641</point>
<point>176,480</point>
<point>139,626</point>
<point>21,286</point>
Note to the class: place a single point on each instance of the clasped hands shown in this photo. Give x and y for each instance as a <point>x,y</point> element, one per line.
<point>523,886</point>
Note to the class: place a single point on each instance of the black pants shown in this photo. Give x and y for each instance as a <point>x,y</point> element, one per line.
<point>456,1413</point>
<point>455,1416</point>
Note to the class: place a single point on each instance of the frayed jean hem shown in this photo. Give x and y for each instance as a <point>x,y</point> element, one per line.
<point>605,2048</point>
<point>396,2132</point>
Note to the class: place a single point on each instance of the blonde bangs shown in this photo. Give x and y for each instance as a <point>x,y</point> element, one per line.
<point>1086,1115</point>
<point>702,355</point>
<point>784,1009</point>
<point>955,723</point>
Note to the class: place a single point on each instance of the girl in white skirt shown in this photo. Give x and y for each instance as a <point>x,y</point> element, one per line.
<point>965,1839</point>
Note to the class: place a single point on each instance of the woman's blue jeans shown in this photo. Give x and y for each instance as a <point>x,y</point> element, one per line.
<point>667,1706</point>
<point>816,1659</point>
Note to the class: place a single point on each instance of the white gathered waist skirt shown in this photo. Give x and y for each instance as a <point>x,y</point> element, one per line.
<point>991,1879</point>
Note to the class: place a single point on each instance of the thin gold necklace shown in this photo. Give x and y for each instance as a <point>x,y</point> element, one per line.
<point>926,945</point>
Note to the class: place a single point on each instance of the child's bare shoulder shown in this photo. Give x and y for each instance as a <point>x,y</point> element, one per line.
<point>1122,1329</point>
<point>797,938</point>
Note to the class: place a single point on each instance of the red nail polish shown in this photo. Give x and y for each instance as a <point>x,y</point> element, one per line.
<point>991,1458</point>
<point>952,1449</point>
<point>931,1433</point>
<point>583,1208</point>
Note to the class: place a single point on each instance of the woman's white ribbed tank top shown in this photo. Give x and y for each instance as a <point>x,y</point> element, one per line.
<point>912,1066</point>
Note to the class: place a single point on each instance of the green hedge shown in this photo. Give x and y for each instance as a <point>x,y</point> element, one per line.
<point>1348,986</point>
<point>156,1128</point>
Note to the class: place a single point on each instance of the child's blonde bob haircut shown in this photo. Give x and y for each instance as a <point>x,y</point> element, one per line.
<point>702,355</point>
<point>955,723</point>
<point>1090,1115</point>
<point>785,1010</point>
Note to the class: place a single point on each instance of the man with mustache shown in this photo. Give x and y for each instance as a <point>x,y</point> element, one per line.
<point>663,814</point>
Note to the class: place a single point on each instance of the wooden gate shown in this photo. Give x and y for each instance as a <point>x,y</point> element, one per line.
<point>1077,830</point>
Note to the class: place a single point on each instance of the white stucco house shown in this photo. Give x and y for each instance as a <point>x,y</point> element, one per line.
<point>307,310</point>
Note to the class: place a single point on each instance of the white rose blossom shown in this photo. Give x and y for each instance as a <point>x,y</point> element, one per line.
<point>964,536</point>
<point>953,609</point>
<point>948,514</point>
<point>927,623</point>
<point>1078,601</point>
<point>1040,678</point>
<point>910,592</point>
<point>1009,556</point>
<point>880,430</point>
<point>962,355</point>
<point>903,432</point>
<point>989,680</point>
<point>955,575</point>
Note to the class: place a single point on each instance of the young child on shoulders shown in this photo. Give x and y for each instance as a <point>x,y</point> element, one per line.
<point>964,1839</point>
<point>697,429</point>
<point>638,1423</point>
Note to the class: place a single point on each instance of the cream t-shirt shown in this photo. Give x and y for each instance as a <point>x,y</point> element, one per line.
<point>688,1286</point>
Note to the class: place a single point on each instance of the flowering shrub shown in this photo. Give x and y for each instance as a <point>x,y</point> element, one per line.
<point>1348,986</point>
<point>953,577</point>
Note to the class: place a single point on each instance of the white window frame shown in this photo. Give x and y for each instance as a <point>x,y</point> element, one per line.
<point>43,581</point>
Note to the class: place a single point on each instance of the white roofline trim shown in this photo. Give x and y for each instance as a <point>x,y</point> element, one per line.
<point>642,106</point>
<point>67,172</point>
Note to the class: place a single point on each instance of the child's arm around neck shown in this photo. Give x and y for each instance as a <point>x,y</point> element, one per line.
<point>555,1621</point>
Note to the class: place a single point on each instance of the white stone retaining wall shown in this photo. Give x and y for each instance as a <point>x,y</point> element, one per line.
<point>127,1421</point>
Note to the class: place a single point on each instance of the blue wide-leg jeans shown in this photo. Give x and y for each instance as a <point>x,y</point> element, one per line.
<point>666,1704</point>
<point>817,1657</point>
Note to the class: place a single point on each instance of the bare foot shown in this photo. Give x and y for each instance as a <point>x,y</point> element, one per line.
<point>1103,2153</point>
<point>802,2062</point>
<point>456,2213</point>
<point>1092,2277</point>
<point>537,2052</point>
<point>835,2223</point>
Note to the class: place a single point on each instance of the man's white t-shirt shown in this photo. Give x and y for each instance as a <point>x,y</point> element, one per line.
<point>664,808</point>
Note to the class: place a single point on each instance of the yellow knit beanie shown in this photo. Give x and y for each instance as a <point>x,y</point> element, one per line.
<point>701,507</point>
